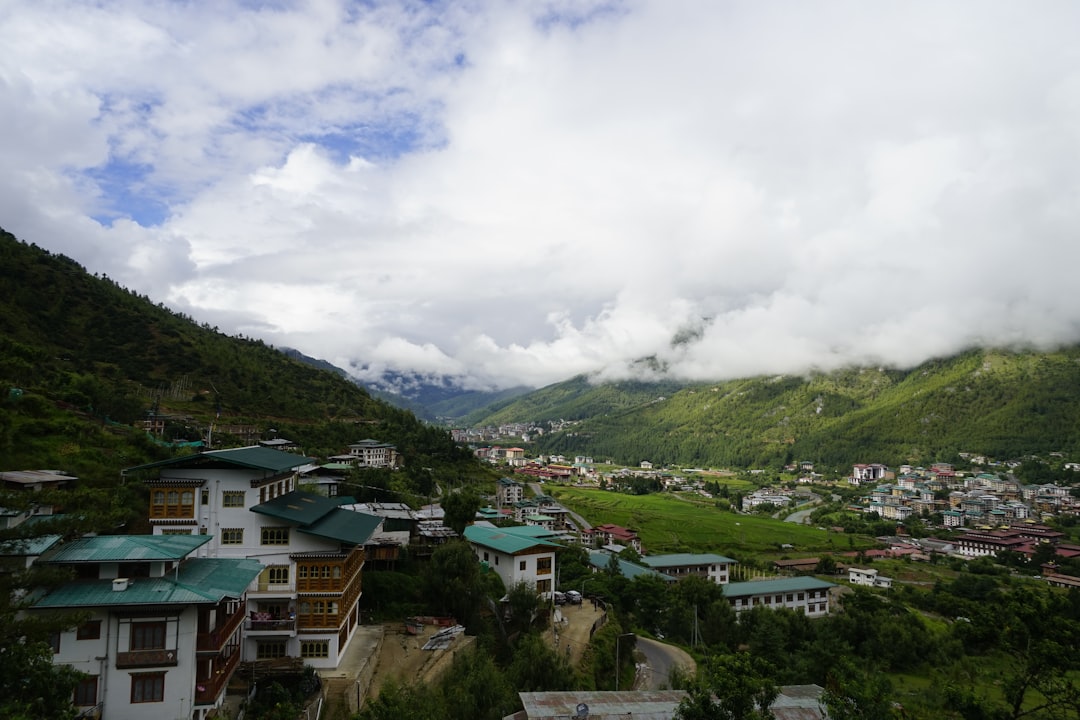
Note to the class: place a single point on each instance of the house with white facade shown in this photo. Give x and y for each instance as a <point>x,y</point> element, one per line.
<point>868,472</point>
<point>515,557</point>
<point>508,492</point>
<point>304,603</point>
<point>162,633</point>
<point>715,568</point>
<point>375,454</point>
<point>804,594</point>
<point>868,577</point>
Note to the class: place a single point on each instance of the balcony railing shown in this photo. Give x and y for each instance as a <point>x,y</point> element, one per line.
<point>215,639</point>
<point>207,691</point>
<point>271,625</point>
<point>146,658</point>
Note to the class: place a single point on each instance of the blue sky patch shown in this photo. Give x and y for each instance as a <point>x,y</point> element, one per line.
<point>127,192</point>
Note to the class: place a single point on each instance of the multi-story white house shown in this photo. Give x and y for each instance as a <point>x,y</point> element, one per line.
<point>162,631</point>
<point>716,568</point>
<point>806,594</point>
<point>508,492</point>
<point>515,557</point>
<point>304,602</point>
<point>871,472</point>
<point>373,453</point>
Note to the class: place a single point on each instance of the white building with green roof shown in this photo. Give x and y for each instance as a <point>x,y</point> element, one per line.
<point>710,566</point>
<point>163,629</point>
<point>305,601</point>
<point>515,557</point>
<point>804,594</point>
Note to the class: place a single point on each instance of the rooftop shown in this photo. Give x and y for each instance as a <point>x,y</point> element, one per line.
<point>502,541</point>
<point>197,580</point>
<point>255,457</point>
<point>683,559</point>
<point>127,548</point>
<point>777,585</point>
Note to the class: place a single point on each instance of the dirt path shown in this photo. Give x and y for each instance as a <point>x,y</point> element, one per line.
<point>571,635</point>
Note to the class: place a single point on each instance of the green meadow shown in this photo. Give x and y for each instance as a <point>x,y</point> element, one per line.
<point>667,522</point>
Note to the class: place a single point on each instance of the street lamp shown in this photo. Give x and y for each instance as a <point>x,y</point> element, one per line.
<point>617,639</point>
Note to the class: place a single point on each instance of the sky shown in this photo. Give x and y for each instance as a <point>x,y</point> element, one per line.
<point>514,193</point>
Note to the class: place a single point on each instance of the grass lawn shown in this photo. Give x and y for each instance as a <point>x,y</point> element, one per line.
<point>668,523</point>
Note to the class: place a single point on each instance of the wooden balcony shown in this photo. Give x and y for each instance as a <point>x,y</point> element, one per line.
<point>281,626</point>
<point>216,639</point>
<point>146,658</point>
<point>207,691</point>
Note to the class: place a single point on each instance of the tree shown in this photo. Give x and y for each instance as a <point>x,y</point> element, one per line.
<point>453,581</point>
<point>536,667</point>
<point>31,687</point>
<point>730,687</point>
<point>459,509</point>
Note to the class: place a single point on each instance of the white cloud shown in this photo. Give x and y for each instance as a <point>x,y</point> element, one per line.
<point>512,193</point>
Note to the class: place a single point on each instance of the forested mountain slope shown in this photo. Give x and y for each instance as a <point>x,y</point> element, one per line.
<point>82,359</point>
<point>999,403</point>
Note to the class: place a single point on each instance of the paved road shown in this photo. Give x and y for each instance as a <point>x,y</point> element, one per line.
<point>581,522</point>
<point>660,658</point>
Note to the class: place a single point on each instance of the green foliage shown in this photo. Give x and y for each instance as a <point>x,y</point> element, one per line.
<point>31,687</point>
<point>993,402</point>
<point>730,687</point>
<point>459,509</point>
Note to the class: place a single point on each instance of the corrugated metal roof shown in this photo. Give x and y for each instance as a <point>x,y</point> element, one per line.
<point>23,547</point>
<point>199,580</point>
<point>498,539</point>
<point>599,560</point>
<point>127,548</point>
<point>254,456</point>
<point>778,585</point>
<point>302,508</point>
<point>351,528</point>
<point>638,704</point>
<point>681,559</point>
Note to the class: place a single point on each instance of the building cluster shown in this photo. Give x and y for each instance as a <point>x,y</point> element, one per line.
<point>981,500</point>
<point>243,564</point>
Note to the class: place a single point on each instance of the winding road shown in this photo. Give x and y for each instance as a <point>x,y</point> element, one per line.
<point>660,660</point>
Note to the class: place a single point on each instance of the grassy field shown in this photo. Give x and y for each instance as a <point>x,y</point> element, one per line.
<point>669,523</point>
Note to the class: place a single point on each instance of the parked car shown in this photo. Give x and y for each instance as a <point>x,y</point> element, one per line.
<point>560,598</point>
<point>573,597</point>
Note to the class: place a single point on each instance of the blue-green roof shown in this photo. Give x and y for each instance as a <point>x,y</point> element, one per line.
<point>502,541</point>
<point>599,560</point>
<point>685,559</point>
<point>779,585</point>
<point>23,547</point>
<point>127,548</point>
<point>198,580</point>
<point>320,516</point>
<point>255,456</point>
<point>532,531</point>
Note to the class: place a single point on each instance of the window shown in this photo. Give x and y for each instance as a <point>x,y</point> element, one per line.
<point>485,557</point>
<point>147,687</point>
<point>54,640</point>
<point>315,649</point>
<point>521,565</point>
<point>232,536</point>
<point>232,499</point>
<point>172,503</point>
<point>278,575</point>
<point>270,650</point>
<point>275,536</point>
<point>176,531</point>
<point>147,636</point>
<point>543,586</point>
<point>301,572</point>
<point>801,596</point>
<point>205,497</point>
<point>89,631</point>
<point>543,566</point>
<point>86,691</point>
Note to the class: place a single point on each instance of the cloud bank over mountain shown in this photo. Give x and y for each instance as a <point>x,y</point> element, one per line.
<point>513,193</point>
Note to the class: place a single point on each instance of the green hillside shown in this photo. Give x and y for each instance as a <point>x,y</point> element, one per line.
<point>998,403</point>
<point>82,360</point>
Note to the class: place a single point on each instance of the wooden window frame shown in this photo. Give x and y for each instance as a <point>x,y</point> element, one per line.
<point>147,687</point>
<point>230,498</point>
<point>89,630</point>
<point>86,692</point>
<point>232,536</point>
<point>274,535</point>
<point>138,635</point>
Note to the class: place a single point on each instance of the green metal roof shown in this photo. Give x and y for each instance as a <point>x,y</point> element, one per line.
<point>502,541</point>
<point>255,456</point>
<point>530,531</point>
<point>599,560</point>
<point>351,528</point>
<point>198,580</point>
<point>320,516</point>
<point>302,508</point>
<point>23,547</point>
<point>683,559</point>
<point>127,548</point>
<point>779,585</point>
